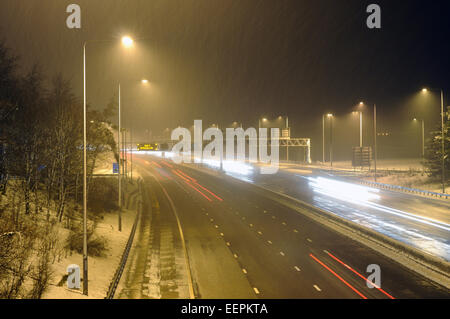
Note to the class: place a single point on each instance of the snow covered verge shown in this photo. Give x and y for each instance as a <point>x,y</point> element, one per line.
<point>37,244</point>
<point>101,269</point>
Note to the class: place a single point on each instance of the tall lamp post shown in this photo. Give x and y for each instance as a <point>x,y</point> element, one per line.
<point>85,256</point>
<point>423,135</point>
<point>127,41</point>
<point>323,139</point>
<point>375,146</point>
<point>330,116</point>
<point>442,136</point>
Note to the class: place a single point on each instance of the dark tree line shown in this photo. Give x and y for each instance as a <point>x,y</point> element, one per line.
<point>42,136</point>
<point>433,151</point>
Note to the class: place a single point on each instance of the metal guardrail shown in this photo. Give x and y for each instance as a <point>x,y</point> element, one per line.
<point>123,261</point>
<point>405,189</point>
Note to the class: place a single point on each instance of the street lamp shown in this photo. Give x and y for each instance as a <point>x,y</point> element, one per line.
<point>127,42</point>
<point>423,136</point>
<point>330,116</point>
<point>425,90</point>
<point>361,104</point>
<point>259,121</point>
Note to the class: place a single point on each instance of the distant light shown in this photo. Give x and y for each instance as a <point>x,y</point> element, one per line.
<point>414,119</point>
<point>127,41</point>
<point>361,103</point>
<point>144,81</point>
<point>264,120</point>
<point>424,90</point>
<point>330,115</point>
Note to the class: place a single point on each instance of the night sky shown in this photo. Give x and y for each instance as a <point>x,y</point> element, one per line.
<point>224,61</point>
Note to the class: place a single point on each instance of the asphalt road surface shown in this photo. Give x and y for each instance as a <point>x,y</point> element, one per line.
<point>421,222</point>
<point>242,243</point>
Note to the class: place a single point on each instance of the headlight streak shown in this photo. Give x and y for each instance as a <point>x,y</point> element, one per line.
<point>363,196</point>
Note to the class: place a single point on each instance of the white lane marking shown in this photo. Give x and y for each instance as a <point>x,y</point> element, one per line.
<point>251,225</point>
<point>296,268</point>
<point>265,212</point>
<point>325,251</point>
<point>235,256</point>
<point>284,223</point>
<point>317,288</point>
<point>256,290</point>
<point>281,253</point>
<point>244,270</point>
<point>259,232</point>
<point>273,217</point>
<point>309,240</point>
<point>221,234</point>
<point>217,226</point>
<point>228,244</point>
<point>270,242</point>
<point>243,218</point>
<point>211,220</point>
<point>295,231</point>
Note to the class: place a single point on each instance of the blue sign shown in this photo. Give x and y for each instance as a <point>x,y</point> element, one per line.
<point>115,168</point>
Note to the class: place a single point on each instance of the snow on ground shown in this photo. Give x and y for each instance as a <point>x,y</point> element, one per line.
<point>101,269</point>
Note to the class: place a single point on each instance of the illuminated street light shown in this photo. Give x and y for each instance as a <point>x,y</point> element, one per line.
<point>423,136</point>
<point>127,41</point>
<point>144,81</point>
<point>425,90</point>
<point>259,121</point>
<point>330,116</point>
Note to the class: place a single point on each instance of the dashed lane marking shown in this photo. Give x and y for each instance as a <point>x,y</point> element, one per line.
<point>317,288</point>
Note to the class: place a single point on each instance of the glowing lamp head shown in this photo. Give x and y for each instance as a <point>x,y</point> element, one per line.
<point>424,90</point>
<point>144,81</point>
<point>127,41</point>
<point>329,115</point>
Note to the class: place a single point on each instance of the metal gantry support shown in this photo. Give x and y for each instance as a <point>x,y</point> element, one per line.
<point>297,142</point>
